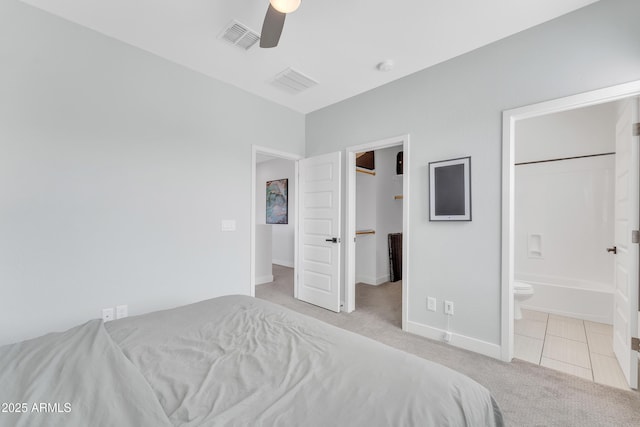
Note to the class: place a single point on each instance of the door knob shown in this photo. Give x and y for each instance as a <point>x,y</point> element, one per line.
<point>613,249</point>
<point>332,240</point>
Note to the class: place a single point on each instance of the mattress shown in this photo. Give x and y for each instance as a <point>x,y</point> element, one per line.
<point>233,361</point>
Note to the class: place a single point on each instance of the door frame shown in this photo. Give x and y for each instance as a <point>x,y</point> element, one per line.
<point>509,120</point>
<point>255,150</point>
<point>350,258</point>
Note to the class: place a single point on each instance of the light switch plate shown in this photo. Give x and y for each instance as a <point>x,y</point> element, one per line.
<point>228,225</point>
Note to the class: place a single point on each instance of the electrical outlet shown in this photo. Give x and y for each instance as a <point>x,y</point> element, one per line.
<point>431,304</point>
<point>107,314</point>
<point>448,308</point>
<point>122,311</point>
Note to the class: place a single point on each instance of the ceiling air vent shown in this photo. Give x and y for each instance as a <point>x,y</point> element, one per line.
<point>293,81</point>
<point>239,35</point>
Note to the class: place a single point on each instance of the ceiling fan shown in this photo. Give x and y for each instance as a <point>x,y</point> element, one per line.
<point>274,21</point>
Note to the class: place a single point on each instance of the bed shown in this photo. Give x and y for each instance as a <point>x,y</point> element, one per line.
<point>229,361</point>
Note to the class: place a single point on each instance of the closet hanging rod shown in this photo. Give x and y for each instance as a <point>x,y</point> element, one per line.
<point>365,232</point>
<point>564,158</point>
<point>366,171</point>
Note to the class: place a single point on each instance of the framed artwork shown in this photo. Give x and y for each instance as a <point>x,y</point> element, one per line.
<point>450,190</point>
<point>277,201</point>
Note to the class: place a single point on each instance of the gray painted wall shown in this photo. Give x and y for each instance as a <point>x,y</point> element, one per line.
<point>453,110</point>
<point>116,168</point>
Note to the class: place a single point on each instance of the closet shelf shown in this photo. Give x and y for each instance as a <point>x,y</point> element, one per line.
<point>365,232</point>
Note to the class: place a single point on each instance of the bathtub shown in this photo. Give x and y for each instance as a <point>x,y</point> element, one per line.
<point>572,298</point>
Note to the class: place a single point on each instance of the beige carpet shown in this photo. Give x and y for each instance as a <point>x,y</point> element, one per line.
<point>529,395</point>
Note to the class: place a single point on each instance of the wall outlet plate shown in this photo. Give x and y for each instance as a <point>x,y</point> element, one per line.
<point>431,304</point>
<point>448,308</point>
<point>107,314</point>
<point>122,311</point>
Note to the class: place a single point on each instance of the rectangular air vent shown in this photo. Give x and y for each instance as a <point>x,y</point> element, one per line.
<point>239,35</point>
<point>293,81</point>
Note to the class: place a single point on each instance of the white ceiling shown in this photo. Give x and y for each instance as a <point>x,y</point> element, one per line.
<point>336,42</point>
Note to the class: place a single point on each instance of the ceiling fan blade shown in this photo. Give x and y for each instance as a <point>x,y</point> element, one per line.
<point>272,27</point>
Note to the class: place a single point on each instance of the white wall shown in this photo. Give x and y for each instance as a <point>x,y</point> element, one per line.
<point>389,210</point>
<point>454,109</point>
<point>282,234</point>
<point>264,258</point>
<point>366,217</point>
<point>567,204</point>
<point>579,132</point>
<point>116,169</point>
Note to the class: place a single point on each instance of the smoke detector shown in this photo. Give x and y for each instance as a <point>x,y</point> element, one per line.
<point>385,66</point>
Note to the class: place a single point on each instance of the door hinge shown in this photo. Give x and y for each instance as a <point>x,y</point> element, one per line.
<point>636,129</point>
<point>635,344</point>
<point>635,236</point>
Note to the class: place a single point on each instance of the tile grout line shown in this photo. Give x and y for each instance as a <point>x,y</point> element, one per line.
<point>568,339</point>
<point>544,341</point>
<point>586,337</point>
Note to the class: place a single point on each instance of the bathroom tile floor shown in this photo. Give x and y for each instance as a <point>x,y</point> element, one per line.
<point>574,346</point>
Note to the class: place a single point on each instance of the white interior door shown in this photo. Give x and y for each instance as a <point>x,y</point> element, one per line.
<point>625,317</point>
<point>319,246</point>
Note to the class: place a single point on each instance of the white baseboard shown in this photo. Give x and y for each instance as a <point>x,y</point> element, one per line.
<point>608,319</point>
<point>457,340</point>
<point>382,279</point>
<point>264,279</point>
<point>284,263</point>
<point>365,279</point>
<point>373,281</point>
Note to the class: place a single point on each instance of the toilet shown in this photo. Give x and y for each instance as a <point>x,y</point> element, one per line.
<point>521,292</point>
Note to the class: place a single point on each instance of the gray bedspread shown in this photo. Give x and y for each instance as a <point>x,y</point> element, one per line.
<point>75,378</point>
<point>240,361</point>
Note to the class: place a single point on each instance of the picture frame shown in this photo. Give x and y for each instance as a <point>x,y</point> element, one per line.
<point>450,190</point>
<point>277,201</point>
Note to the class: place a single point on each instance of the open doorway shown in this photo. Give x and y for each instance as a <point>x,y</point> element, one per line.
<point>377,226</point>
<point>564,221</point>
<point>274,220</point>
<point>379,232</point>
<point>565,208</point>
<point>317,276</point>
<point>316,211</point>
